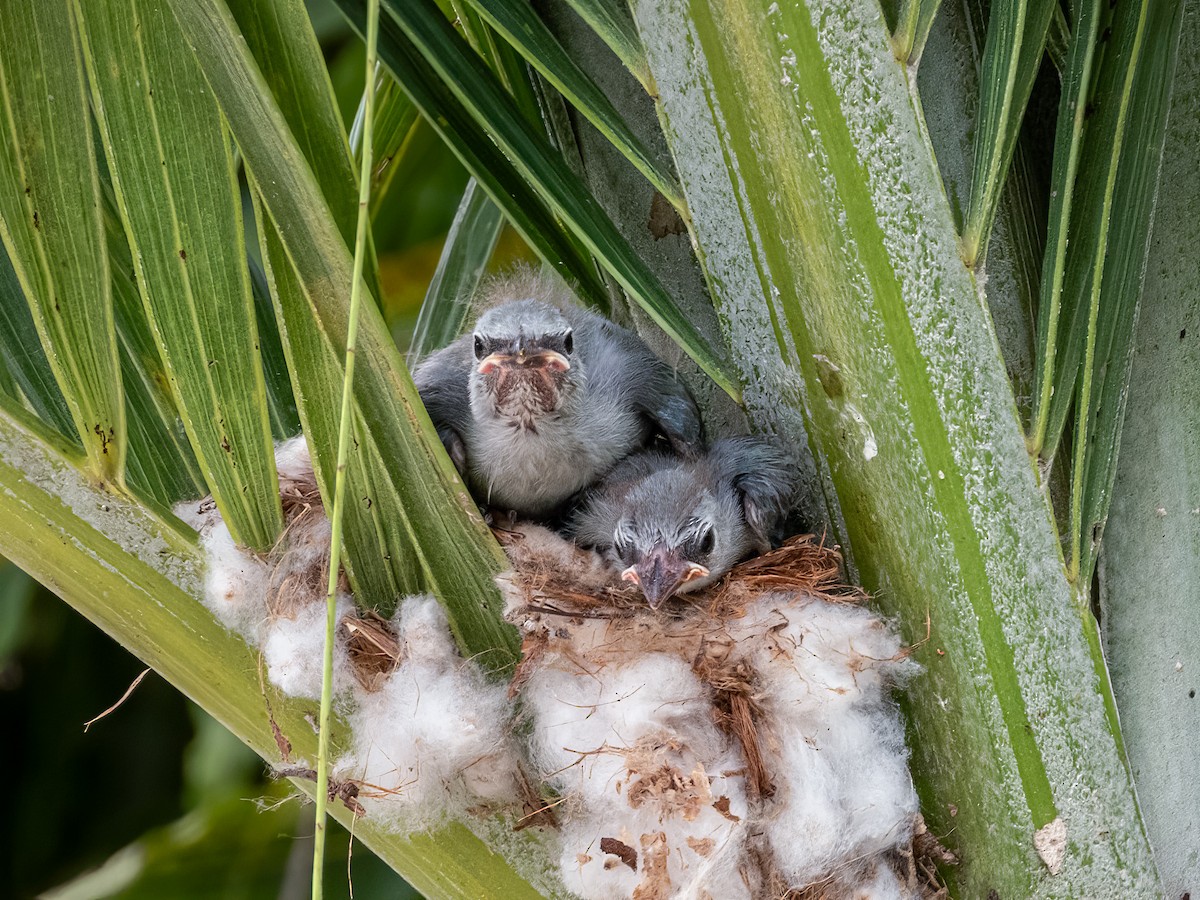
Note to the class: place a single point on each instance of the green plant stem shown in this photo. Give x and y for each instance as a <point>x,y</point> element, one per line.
<point>339,494</point>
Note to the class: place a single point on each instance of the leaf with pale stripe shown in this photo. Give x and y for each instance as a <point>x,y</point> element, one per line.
<point>161,463</point>
<point>177,191</point>
<point>50,220</point>
<point>1012,56</point>
<point>1133,203</point>
<point>827,235</point>
<point>24,359</point>
<point>610,20</point>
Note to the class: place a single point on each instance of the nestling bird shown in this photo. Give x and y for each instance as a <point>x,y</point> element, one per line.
<point>676,524</point>
<point>543,398</point>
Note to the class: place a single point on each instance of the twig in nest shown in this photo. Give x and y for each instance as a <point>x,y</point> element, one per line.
<point>537,810</point>
<point>802,564</point>
<point>346,791</point>
<point>735,710</point>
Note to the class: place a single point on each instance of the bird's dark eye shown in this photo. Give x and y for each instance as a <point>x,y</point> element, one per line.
<point>706,541</point>
<point>479,348</point>
<point>568,342</point>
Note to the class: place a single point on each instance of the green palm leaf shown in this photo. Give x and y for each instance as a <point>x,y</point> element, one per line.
<point>461,267</point>
<point>50,221</point>
<point>177,189</point>
<point>521,27</point>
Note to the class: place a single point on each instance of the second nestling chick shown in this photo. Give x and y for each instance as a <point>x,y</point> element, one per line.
<point>543,398</point>
<point>676,524</point>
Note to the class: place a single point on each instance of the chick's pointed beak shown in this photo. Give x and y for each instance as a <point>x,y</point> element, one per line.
<point>524,358</point>
<point>661,573</point>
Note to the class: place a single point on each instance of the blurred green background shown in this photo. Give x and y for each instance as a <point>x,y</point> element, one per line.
<point>157,800</point>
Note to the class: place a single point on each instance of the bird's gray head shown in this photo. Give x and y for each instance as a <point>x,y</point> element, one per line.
<point>678,534</point>
<point>525,361</point>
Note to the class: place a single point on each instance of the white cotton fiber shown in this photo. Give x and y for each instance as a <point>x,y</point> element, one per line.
<point>293,650</point>
<point>292,460</point>
<point>882,884</point>
<point>235,582</point>
<point>436,738</point>
<point>845,793</point>
<point>646,773</point>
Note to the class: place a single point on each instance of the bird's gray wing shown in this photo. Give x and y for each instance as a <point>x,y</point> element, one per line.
<point>763,476</point>
<point>603,505</point>
<point>620,362</point>
<point>443,381</point>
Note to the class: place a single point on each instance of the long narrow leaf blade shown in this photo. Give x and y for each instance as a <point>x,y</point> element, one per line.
<point>1058,40</point>
<point>501,56</point>
<point>23,356</point>
<point>488,107</point>
<point>949,84</point>
<point>50,220</point>
<point>1016,41</point>
<point>280,35</point>
<point>281,403</point>
<point>529,215</point>
<point>1134,194</point>
<point>161,463</point>
<point>469,245</point>
<point>521,27</point>
<point>177,189</point>
<point>1055,372</point>
<point>431,537</point>
<point>912,30</point>
<point>394,123</point>
<point>1078,247</point>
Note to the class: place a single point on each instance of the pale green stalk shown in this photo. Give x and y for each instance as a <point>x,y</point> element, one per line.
<point>339,492</point>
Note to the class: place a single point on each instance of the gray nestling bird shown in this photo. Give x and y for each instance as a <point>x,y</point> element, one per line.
<point>676,524</point>
<point>543,398</point>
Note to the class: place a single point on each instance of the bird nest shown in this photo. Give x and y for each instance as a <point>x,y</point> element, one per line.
<point>574,611</point>
<point>572,606</point>
<point>739,742</point>
<point>555,588</point>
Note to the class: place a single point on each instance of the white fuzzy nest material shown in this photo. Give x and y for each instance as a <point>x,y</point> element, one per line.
<point>435,738</point>
<point>430,734</point>
<point>741,745</point>
<point>277,601</point>
<point>745,748</point>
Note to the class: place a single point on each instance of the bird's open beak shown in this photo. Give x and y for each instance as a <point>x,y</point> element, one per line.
<point>527,359</point>
<point>662,573</point>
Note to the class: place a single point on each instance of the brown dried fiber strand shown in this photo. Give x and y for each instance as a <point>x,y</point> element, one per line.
<point>373,648</point>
